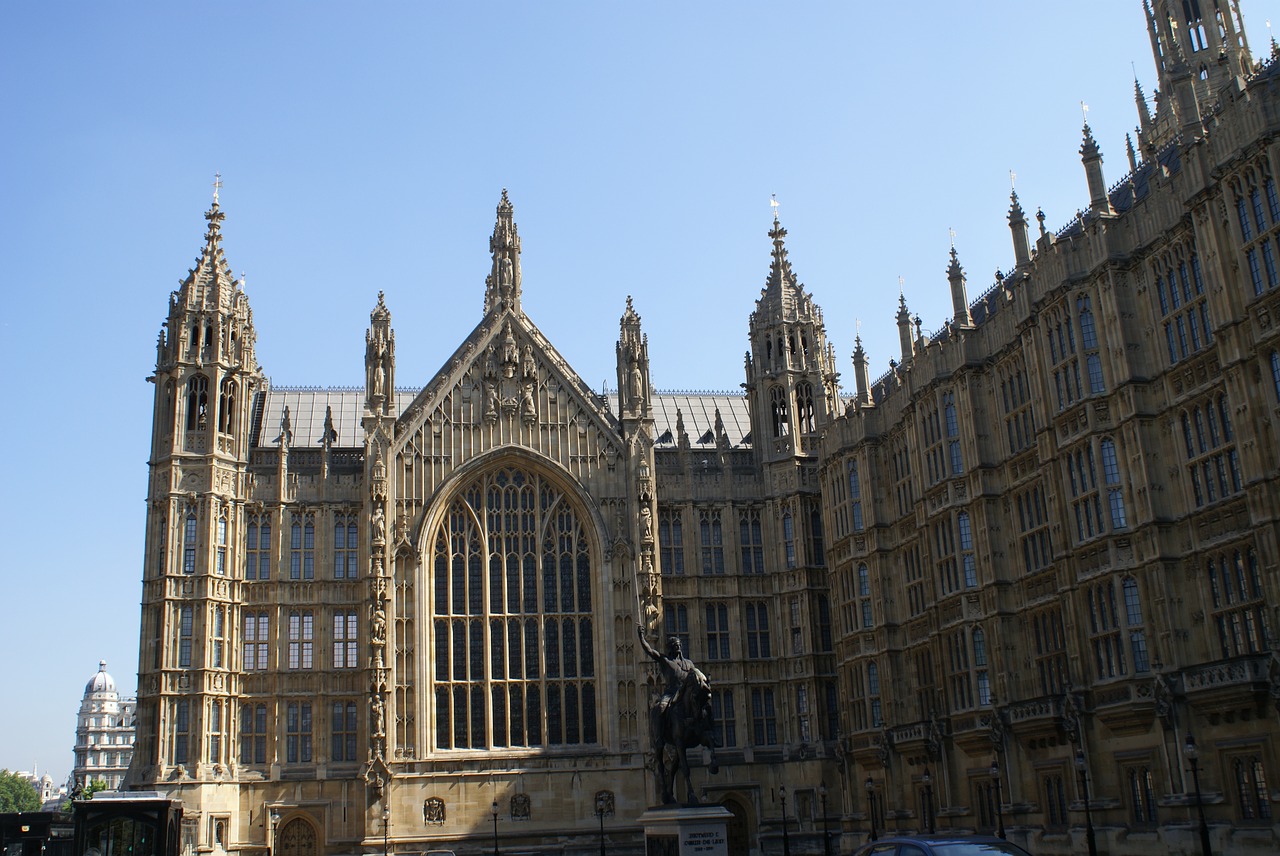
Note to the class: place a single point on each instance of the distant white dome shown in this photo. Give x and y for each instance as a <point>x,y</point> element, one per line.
<point>101,682</point>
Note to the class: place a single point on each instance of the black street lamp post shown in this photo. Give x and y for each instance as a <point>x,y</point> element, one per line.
<point>995,780</point>
<point>274,817</point>
<point>786,837</point>
<point>386,823</point>
<point>1088,810</point>
<point>928,800</point>
<point>601,810</point>
<point>494,809</point>
<point>871,806</point>
<point>1193,758</point>
<point>826,838</point>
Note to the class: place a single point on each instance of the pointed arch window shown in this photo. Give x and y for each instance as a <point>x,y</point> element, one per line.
<point>346,544</point>
<point>180,736</point>
<point>197,403</point>
<point>1104,631</point>
<point>227,407</point>
<point>981,676</point>
<point>252,733</point>
<point>671,540</point>
<point>789,539</point>
<point>751,542</point>
<point>873,694</point>
<point>1134,625</point>
<point>215,732</point>
<point>169,395</point>
<point>1275,374</point>
<point>865,607</point>
<point>1258,233</point>
<point>1238,604</point>
<point>779,411</point>
<point>220,560</point>
<point>1213,463</point>
<point>512,577</point>
<point>302,547</point>
<point>189,535</point>
<point>1182,305</point>
<point>855,495</point>
<point>712,542</point>
<point>257,557</point>
<point>804,408</point>
<point>219,636</point>
<point>186,618</point>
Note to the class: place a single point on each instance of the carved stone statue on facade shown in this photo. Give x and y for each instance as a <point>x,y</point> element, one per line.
<point>681,718</point>
<point>379,526</point>
<point>1162,693</point>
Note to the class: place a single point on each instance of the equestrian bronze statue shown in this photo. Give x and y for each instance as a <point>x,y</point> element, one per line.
<point>681,719</point>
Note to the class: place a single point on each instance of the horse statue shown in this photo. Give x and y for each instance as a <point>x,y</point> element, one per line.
<point>681,719</point>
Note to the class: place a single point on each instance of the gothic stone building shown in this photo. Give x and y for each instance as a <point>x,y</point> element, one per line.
<point>1004,585</point>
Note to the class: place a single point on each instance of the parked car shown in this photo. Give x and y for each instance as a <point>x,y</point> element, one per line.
<point>941,844</point>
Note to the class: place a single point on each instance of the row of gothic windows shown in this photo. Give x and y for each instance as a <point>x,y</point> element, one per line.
<point>301,642</point>
<point>300,553</point>
<point>1116,636</point>
<point>712,542</point>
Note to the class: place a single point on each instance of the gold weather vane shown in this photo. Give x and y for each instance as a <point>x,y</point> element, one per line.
<point>773,204</point>
<point>217,185</point>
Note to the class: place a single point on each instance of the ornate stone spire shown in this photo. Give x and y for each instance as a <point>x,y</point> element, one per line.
<point>380,361</point>
<point>1018,229</point>
<point>905,340</point>
<point>633,365</point>
<point>782,284</point>
<point>1091,157</point>
<point>959,295</point>
<point>502,286</point>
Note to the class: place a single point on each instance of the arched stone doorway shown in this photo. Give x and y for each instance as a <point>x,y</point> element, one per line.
<point>738,826</point>
<point>296,838</point>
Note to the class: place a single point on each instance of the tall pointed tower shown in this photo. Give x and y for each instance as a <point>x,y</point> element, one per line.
<point>791,379</point>
<point>206,376</point>
<point>793,393</point>
<point>1200,48</point>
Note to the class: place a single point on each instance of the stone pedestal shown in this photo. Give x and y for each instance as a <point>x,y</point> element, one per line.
<point>699,830</point>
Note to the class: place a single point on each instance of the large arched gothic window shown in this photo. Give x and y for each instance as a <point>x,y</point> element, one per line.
<point>514,652</point>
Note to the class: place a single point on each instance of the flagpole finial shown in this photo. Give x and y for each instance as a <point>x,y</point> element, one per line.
<point>774,205</point>
<point>217,186</point>
<point>952,233</point>
<point>1013,180</point>
<point>1084,109</point>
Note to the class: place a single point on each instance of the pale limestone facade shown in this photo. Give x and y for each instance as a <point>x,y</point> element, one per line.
<point>424,602</point>
<point>104,734</point>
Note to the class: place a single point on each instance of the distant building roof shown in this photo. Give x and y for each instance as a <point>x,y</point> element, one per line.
<point>100,682</point>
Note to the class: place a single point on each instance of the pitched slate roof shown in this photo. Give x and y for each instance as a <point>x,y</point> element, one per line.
<point>307,409</point>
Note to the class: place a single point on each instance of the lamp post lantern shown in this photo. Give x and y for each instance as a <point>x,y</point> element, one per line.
<point>1193,758</point>
<point>871,806</point>
<point>786,839</point>
<point>995,780</point>
<point>273,817</point>
<point>928,799</point>
<point>386,824</point>
<point>1088,810</point>
<point>826,837</point>
<point>494,810</point>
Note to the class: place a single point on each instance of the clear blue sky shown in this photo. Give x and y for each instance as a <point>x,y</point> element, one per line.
<point>364,147</point>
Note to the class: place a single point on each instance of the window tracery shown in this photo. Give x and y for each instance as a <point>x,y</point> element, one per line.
<point>513,637</point>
